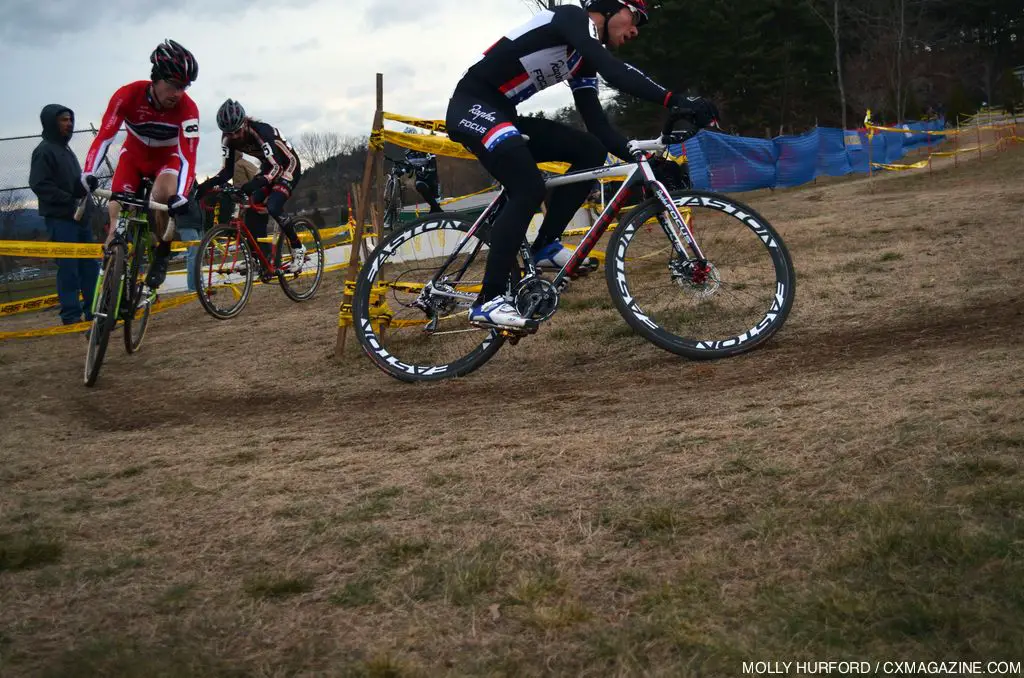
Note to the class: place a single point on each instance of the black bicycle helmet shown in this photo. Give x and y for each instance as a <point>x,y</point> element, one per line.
<point>230,116</point>
<point>611,7</point>
<point>173,62</point>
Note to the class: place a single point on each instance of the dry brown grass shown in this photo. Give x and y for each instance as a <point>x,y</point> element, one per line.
<point>585,504</point>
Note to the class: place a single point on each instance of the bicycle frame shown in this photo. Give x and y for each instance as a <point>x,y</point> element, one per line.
<point>632,174</point>
<point>238,223</point>
<point>129,237</point>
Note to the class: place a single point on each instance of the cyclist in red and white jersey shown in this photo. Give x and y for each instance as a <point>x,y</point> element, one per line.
<point>163,137</point>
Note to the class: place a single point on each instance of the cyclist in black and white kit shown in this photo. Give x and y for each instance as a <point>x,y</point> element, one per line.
<point>280,171</point>
<point>567,44</point>
<point>424,166</point>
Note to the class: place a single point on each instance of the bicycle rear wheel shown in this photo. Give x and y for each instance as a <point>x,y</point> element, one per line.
<point>414,333</point>
<point>136,308</point>
<point>728,304</point>
<point>303,285</point>
<point>105,312</point>
<point>224,271</point>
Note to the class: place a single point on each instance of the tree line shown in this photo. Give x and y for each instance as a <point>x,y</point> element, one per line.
<point>777,67</point>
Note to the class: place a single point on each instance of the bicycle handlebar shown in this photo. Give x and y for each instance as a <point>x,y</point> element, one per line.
<point>130,199</point>
<point>668,136</point>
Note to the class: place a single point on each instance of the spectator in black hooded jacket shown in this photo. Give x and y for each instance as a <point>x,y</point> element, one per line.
<point>54,178</point>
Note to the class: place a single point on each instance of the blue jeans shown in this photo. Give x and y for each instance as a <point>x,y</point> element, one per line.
<point>74,276</point>
<point>190,256</point>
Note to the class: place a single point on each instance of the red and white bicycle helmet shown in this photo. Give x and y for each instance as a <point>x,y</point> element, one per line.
<point>173,62</point>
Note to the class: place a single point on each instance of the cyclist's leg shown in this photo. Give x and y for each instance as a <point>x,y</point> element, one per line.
<point>492,137</point>
<point>426,184</point>
<point>256,219</point>
<point>165,185</point>
<point>553,141</point>
<point>280,191</point>
<point>126,179</point>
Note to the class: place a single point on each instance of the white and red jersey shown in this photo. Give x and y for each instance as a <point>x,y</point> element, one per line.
<point>153,132</point>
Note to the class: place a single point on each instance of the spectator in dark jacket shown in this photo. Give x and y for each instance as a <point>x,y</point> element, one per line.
<point>54,178</point>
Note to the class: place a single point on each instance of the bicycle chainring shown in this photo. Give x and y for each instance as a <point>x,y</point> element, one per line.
<point>539,295</point>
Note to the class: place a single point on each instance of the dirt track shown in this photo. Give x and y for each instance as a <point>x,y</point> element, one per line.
<point>234,499</point>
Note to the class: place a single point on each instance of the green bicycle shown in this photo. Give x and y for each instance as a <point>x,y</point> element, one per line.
<point>121,293</point>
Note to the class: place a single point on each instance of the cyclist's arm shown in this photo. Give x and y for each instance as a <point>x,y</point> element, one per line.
<point>112,120</point>
<point>227,169</point>
<point>576,27</point>
<point>188,145</point>
<point>584,92</point>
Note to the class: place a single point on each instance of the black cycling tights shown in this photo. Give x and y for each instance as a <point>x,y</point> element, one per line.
<point>516,169</point>
<point>257,222</point>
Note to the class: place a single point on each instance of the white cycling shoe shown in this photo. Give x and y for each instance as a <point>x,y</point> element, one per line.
<point>498,312</point>
<point>298,259</point>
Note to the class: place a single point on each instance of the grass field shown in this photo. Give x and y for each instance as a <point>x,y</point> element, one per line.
<point>235,501</point>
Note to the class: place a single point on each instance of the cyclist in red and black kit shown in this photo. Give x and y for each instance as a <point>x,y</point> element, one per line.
<point>280,171</point>
<point>163,136</point>
<point>567,44</point>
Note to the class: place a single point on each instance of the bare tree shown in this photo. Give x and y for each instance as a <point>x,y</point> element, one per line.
<point>11,201</point>
<point>833,27</point>
<point>316,147</point>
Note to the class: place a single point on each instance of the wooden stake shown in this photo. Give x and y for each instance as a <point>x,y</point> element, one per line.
<point>362,201</point>
<point>977,129</point>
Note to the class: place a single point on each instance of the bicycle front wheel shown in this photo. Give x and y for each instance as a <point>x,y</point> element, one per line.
<point>729,303</point>
<point>136,308</point>
<point>415,330</point>
<point>104,312</point>
<point>392,204</point>
<point>300,285</point>
<point>224,272</point>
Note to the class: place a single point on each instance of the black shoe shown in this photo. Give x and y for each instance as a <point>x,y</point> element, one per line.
<point>157,272</point>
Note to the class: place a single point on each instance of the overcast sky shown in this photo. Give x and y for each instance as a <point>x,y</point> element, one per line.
<point>301,65</point>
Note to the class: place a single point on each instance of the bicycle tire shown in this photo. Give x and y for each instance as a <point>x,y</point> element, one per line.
<point>399,251</point>
<point>218,268</point>
<point>289,281</point>
<point>136,320</point>
<point>742,250</point>
<point>105,313</point>
<point>392,196</point>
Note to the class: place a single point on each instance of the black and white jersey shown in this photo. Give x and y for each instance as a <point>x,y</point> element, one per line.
<point>559,45</point>
<point>278,158</point>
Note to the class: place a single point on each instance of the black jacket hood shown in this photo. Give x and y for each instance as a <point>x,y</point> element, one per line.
<point>48,116</point>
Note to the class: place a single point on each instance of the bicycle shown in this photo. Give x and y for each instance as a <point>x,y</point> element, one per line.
<point>121,294</point>
<point>226,261</point>
<point>393,198</point>
<point>694,272</point>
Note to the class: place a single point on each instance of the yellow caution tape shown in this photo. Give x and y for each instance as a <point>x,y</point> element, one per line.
<point>158,307</point>
<point>56,250</point>
<point>916,165</point>
<point>443,146</point>
<point>35,304</point>
<point>432,125</point>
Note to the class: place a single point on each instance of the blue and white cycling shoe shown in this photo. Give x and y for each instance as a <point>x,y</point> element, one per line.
<point>552,256</point>
<point>555,256</point>
<point>499,313</point>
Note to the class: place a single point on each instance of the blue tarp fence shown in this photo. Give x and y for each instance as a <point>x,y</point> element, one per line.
<point>725,163</point>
